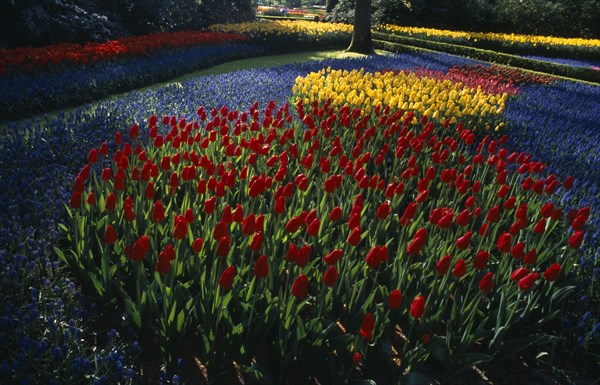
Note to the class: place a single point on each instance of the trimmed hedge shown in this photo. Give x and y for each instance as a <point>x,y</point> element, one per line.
<point>268,17</point>
<point>397,43</point>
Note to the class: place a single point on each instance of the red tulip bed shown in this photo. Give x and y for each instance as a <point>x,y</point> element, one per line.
<point>313,238</point>
<point>491,79</point>
<point>25,60</point>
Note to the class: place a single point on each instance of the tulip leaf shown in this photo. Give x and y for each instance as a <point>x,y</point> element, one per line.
<point>561,294</point>
<point>300,329</point>
<point>171,317</point>
<point>61,255</point>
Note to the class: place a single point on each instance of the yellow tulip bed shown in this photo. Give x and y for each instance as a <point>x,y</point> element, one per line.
<point>439,99</point>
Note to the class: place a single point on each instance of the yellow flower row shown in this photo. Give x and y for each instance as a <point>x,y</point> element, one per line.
<point>283,27</point>
<point>503,37</point>
<point>437,99</point>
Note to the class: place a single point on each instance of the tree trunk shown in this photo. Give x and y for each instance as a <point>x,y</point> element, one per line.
<point>330,5</point>
<point>361,34</point>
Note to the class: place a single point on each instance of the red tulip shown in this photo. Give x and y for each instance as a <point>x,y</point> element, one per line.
<point>330,276</point>
<point>209,205</point>
<point>93,156</point>
<point>261,268</point>
<point>394,299</point>
<point>249,224</point>
<point>292,253</point>
<point>417,307</point>
<point>110,236</point>
<point>568,183</point>
<point>367,326</point>
<point>238,214</point>
<point>223,247</point>
<point>313,228</point>
<point>354,237</point>
<point>443,264</point>
<point>197,245</point>
<point>279,205</point>
<point>579,222</point>
<point>518,250</point>
<point>484,230</point>
<point>257,240</point>
<point>464,241</point>
<point>164,260</point>
<point>509,204</point>
<point>373,258</point>
<point>226,280</point>
<point>493,215</point>
<point>531,257</point>
<point>333,257</point>
<point>300,287</point>
<point>111,201</point>
<point>91,199</point>
<point>522,213</point>
<point>463,218</point>
<point>158,212</point>
<point>552,272</point>
<point>504,242</point>
<point>576,239</point>
<point>140,248</point>
<point>417,243</point>
<point>383,210</point>
<point>526,283</point>
<point>149,192</point>
<point>481,259</point>
<point>547,210</point>
<point>409,213</point>
<point>303,256</point>
<point>540,227</point>
<point>460,268</point>
<point>519,273</point>
<point>104,149</point>
<point>134,131</point>
<point>189,215</point>
<point>446,220</point>
<point>180,230</point>
<point>106,174</point>
<point>487,282</point>
<point>335,214</point>
<point>293,225</point>
<point>220,230</point>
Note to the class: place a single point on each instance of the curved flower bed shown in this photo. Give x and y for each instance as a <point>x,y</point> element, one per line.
<point>24,60</point>
<point>26,94</point>
<point>33,155</point>
<point>96,70</point>
<point>302,238</point>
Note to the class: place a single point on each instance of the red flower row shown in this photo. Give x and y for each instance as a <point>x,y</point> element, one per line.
<point>26,59</point>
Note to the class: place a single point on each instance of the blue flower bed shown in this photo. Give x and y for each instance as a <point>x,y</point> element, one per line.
<point>43,316</point>
<point>23,95</point>
<point>560,125</point>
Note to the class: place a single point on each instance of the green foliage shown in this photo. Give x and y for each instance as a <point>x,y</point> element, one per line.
<point>568,18</point>
<point>30,22</point>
